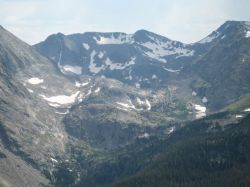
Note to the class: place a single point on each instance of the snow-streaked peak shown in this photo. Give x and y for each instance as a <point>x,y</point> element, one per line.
<point>158,47</point>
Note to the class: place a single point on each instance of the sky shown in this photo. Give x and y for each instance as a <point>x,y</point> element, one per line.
<point>187,21</point>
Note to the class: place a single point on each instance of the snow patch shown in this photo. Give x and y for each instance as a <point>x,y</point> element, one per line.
<point>63,113</point>
<point>92,66</point>
<point>35,80</point>
<point>194,93</point>
<point>31,91</point>
<point>158,49</point>
<point>145,135</point>
<point>148,104</point>
<point>73,69</point>
<point>97,90</point>
<point>238,116</point>
<point>61,99</point>
<point>204,100</point>
<point>53,160</point>
<point>154,76</point>
<point>137,85</point>
<point>101,55</point>
<point>171,70</point>
<point>200,111</point>
<point>170,130</point>
<point>118,66</point>
<point>124,109</point>
<point>210,38</point>
<point>88,93</point>
<point>120,39</point>
<point>128,105</point>
<point>224,36</point>
<point>79,85</point>
<point>86,46</point>
<point>80,97</point>
<point>139,101</point>
<point>248,34</point>
<point>55,105</point>
<point>247,110</point>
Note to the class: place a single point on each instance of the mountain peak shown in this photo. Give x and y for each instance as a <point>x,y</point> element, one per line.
<point>142,31</point>
<point>231,24</point>
<point>144,36</point>
<point>228,29</point>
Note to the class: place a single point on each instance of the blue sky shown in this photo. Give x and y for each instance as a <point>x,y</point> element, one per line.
<point>183,20</point>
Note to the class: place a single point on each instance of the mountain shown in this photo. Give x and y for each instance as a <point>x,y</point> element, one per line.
<point>20,127</point>
<point>223,70</point>
<point>93,109</point>
<point>207,68</point>
<point>141,59</point>
<point>45,115</point>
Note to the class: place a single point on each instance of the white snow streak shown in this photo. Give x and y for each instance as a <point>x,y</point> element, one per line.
<point>200,111</point>
<point>78,84</point>
<point>35,80</point>
<point>118,66</point>
<point>86,46</point>
<point>149,105</point>
<point>158,49</point>
<point>238,116</point>
<point>97,90</point>
<point>121,39</point>
<point>61,99</point>
<point>146,102</point>
<point>210,38</point>
<point>92,66</point>
<point>247,110</point>
<point>247,34</point>
<point>172,70</point>
<point>73,69</point>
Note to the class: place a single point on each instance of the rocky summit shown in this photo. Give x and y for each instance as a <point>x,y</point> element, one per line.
<point>114,109</point>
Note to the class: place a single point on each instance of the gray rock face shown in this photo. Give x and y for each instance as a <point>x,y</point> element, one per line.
<point>29,127</point>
